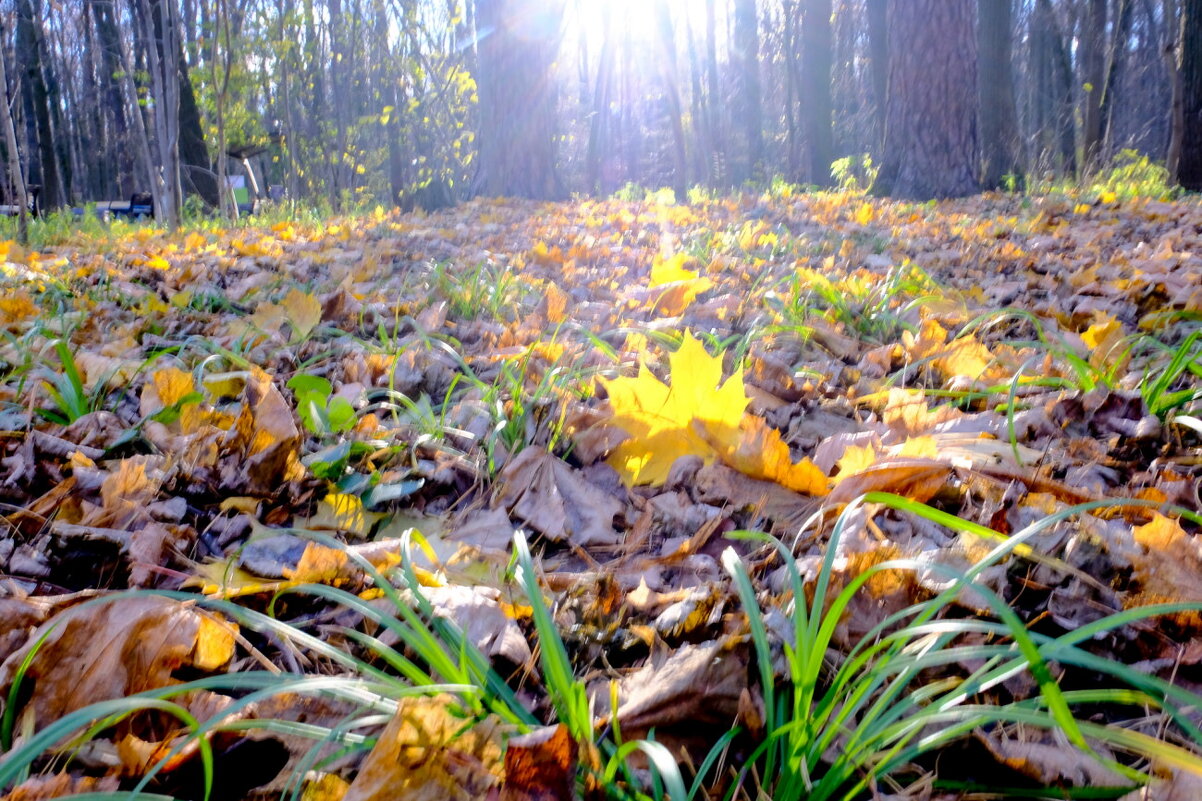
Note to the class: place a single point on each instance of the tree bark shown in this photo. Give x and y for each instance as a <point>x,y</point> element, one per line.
<point>878,55</point>
<point>997,115</point>
<point>37,103</point>
<point>1189,167</point>
<point>1172,58</point>
<point>816,89</point>
<point>931,119</point>
<point>1116,62</point>
<point>747,104</point>
<point>517,44</point>
<point>16,179</point>
<point>1093,64</point>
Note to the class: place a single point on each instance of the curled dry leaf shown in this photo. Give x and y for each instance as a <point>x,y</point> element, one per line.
<point>428,752</point>
<point>113,648</point>
<point>557,501</point>
<point>540,766</point>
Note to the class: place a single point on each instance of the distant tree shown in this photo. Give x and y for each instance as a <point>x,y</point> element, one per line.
<point>747,102</point>
<point>44,167</point>
<point>930,146</point>
<point>997,116</point>
<point>517,41</point>
<point>12,157</point>
<point>1189,167</point>
<point>816,90</point>
<point>1093,63</point>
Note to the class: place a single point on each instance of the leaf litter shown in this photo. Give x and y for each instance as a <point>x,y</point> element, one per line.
<point>633,385</point>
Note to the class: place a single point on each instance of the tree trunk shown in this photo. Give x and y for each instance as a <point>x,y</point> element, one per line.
<point>1172,58</point>
<point>997,116</point>
<point>37,104</point>
<point>878,55</point>
<point>1114,67</point>
<point>747,104</point>
<point>14,157</point>
<point>931,119</point>
<point>670,83</point>
<point>518,42</point>
<point>717,156</point>
<point>193,152</point>
<point>1189,168</point>
<point>1093,64</point>
<point>816,89</point>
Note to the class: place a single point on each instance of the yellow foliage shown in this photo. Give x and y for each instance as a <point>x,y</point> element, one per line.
<point>665,423</point>
<point>698,415</point>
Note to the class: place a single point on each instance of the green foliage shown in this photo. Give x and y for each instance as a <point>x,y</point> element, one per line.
<point>66,389</point>
<point>318,410</point>
<point>834,730</point>
<point>854,173</point>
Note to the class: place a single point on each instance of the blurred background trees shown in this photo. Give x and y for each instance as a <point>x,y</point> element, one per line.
<point>346,102</point>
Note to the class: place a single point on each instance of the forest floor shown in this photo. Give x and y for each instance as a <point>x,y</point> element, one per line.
<point>972,427</point>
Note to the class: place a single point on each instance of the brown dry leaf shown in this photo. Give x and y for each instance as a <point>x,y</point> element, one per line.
<point>557,501</point>
<point>60,785</point>
<point>540,766</point>
<point>1170,570</point>
<point>697,685</point>
<point>917,479</point>
<point>151,546</point>
<point>1043,757</point>
<point>110,649</point>
<point>274,437</point>
<point>428,753</point>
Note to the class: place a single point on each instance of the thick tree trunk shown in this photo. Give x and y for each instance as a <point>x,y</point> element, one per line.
<point>518,41</point>
<point>717,156</point>
<point>931,119</point>
<point>128,181</point>
<point>37,104</point>
<point>1172,60</point>
<point>747,104</point>
<point>998,118</point>
<point>1189,168</point>
<point>878,55</point>
<point>1093,64</point>
<point>671,84</point>
<point>816,89</point>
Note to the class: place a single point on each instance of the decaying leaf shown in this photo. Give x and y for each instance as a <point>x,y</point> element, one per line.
<point>429,752</point>
<point>540,766</point>
<point>114,648</point>
<point>556,501</point>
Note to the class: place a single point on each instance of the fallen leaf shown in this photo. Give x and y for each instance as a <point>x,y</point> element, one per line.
<point>113,648</point>
<point>540,766</point>
<point>553,499</point>
<point>664,422</point>
<point>429,752</point>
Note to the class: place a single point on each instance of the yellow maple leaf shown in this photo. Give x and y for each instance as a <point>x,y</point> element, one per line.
<point>303,311</point>
<point>681,286</point>
<point>663,422</point>
<point>865,214</point>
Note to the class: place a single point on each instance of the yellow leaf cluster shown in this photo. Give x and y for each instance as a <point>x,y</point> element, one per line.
<point>702,415</point>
